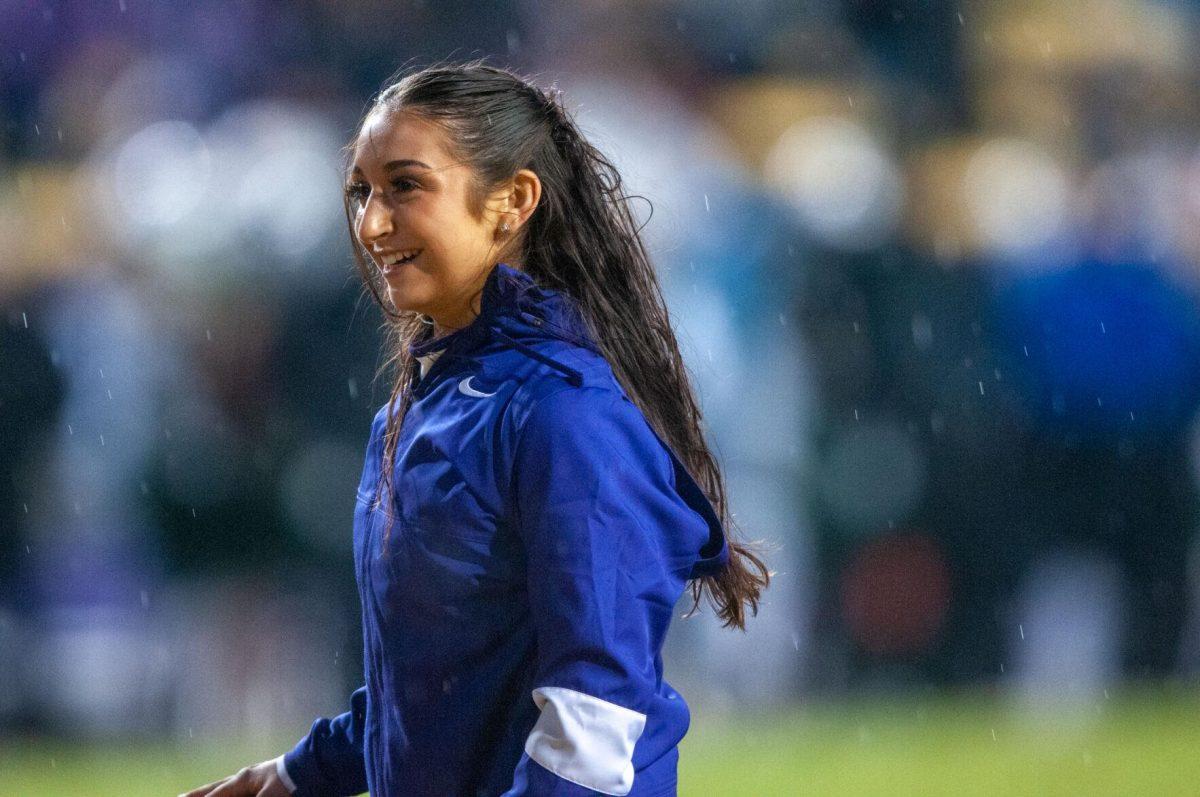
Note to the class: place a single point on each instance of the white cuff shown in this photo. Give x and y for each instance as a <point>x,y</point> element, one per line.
<point>584,739</point>
<point>282,772</point>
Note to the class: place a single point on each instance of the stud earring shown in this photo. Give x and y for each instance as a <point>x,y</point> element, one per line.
<point>504,228</point>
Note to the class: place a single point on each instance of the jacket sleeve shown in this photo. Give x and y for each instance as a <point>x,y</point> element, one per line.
<point>594,503</point>
<point>328,761</point>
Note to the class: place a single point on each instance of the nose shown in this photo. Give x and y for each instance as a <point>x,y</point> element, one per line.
<point>375,221</point>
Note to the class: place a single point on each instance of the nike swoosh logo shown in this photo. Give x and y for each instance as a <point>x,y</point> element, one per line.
<point>465,388</point>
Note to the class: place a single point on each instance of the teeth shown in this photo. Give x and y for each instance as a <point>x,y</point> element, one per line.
<point>393,259</point>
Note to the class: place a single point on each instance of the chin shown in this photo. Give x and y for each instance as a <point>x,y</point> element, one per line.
<point>405,302</point>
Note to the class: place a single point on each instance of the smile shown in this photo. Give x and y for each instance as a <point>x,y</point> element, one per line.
<point>393,261</point>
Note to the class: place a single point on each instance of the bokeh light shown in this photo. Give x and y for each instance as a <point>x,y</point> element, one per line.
<point>895,593</point>
<point>841,182</point>
<point>872,474</point>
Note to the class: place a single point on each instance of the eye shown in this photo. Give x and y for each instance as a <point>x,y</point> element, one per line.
<point>403,185</point>
<point>357,192</point>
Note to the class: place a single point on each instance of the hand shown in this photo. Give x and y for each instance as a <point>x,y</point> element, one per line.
<point>260,780</point>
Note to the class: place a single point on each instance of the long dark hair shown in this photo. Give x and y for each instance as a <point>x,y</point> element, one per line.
<point>582,240</point>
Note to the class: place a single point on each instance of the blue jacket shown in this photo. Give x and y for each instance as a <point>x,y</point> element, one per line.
<point>513,626</point>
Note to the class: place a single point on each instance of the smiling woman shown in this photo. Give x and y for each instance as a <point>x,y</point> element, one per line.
<point>537,493</point>
<point>415,210</point>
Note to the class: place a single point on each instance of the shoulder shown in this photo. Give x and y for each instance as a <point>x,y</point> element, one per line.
<point>548,396</point>
<point>380,418</point>
<point>594,423</point>
<point>379,421</point>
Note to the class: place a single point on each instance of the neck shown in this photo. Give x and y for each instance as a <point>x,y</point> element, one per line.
<point>474,306</point>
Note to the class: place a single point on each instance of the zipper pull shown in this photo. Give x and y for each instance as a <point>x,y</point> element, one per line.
<point>530,318</point>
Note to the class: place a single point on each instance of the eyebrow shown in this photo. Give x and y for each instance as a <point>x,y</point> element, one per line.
<point>396,164</point>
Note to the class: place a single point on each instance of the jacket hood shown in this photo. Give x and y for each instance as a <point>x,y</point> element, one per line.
<point>518,312</point>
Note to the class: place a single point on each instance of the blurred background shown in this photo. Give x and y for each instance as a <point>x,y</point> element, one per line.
<point>935,268</point>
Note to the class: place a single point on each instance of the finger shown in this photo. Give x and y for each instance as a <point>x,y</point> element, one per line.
<point>233,788</point>
<point>237,787</point>
<point>203,791</point>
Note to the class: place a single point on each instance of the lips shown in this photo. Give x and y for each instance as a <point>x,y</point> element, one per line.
<point>392,261</point>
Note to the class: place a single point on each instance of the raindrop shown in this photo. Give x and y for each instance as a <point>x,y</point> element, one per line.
<point>24,320</point>
<point>1021,628</point>
<point>981,387</point>
<point>1103,331</point>
<point>352,383</point>
<point>70,430</point>
<point>922,331</point>
<point>208,334</point>
<point>101,439</point>
<point>993,734</point>
<point>706,207</point>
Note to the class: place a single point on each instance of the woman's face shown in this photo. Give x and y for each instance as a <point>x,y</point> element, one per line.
<point>408,195</point>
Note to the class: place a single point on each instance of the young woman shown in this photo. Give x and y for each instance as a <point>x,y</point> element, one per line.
<point>537,492</point>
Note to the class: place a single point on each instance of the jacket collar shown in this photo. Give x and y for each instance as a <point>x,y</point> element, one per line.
<point>516,311</point>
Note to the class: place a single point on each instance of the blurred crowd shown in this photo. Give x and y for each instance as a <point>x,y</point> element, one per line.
<point>934,267</point>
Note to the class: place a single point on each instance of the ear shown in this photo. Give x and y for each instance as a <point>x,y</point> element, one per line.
<point>515,202</point>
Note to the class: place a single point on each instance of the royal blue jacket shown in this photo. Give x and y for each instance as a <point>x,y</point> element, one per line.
<point>514,621</point>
